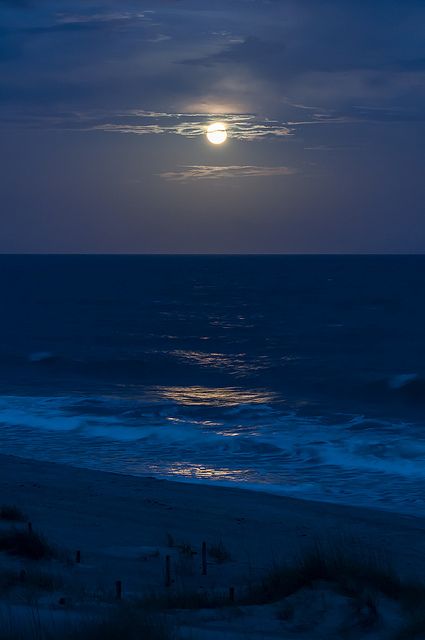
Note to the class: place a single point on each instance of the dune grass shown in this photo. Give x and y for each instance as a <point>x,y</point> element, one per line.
<point>123,623</point>
<point>350,570</point>
<point>30,579</point>
<point>219,553</point>
<point>12,513</point>
<point>26,544</point>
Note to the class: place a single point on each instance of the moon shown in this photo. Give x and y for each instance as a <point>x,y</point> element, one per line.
<point>216,133</point>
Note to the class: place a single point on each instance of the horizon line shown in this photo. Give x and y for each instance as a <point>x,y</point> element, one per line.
<point>210,254</point>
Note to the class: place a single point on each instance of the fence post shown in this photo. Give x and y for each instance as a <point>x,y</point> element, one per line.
<point>168,571</point>
<point>204,558</point>
<point>78,556</point>
<point>118,589</point>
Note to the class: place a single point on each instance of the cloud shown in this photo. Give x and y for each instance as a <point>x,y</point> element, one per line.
<point>208,172</point>
<point>246,127</point>
<point>274,57</point>
<point>15,3</point>
<point>70,18</point>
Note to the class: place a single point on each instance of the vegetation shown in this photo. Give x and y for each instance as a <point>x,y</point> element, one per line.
<point>11,513</point>
<point>355,574</point>
<point>26,544</point>
<point>185,549</point>
<point>219,553</point>
<point>31,579</point>
<point>362,577</point>
<point>350,572</point>
<point>124,623</point>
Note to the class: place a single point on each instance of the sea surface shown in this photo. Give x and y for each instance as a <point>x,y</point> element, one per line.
<point>302,375</point>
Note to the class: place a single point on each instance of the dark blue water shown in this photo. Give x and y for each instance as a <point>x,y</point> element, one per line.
<point>298,374</point>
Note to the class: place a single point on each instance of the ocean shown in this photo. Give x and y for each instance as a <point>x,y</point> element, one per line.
<point>302,375</point>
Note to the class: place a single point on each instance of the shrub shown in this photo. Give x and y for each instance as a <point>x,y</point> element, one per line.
<point>27,544</point>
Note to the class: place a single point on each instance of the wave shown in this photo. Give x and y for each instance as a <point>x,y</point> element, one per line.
<point>247,437</point>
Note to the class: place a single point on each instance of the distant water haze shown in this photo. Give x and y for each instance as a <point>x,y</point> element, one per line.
<point>303,375</point>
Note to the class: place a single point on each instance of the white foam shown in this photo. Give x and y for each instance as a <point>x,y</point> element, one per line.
<point>260,446</point>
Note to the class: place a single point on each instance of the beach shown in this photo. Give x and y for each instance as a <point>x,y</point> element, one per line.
<point>98,512</point>
<point>124,527</point>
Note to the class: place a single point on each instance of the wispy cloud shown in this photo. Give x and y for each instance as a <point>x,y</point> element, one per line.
<point>208,172</point>
<point>139,122</point>
<point>85,18</point>
<point>191,125</point>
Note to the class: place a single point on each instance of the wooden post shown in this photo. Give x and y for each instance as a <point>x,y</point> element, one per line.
<point>232,594</point>
<point>22,575</point>
<point>29,527</point>
<point>118,589</point>
<point>168,571</point>
<point>204,558</point>
<point>78,557</point>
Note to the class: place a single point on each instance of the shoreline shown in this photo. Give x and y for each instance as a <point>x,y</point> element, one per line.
<point>270,489</point>
<point>110,516</point>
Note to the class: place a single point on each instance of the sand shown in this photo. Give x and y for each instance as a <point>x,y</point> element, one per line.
<point>125,526</point>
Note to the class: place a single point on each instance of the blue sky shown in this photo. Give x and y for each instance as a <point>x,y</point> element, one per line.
<point>104,105</point>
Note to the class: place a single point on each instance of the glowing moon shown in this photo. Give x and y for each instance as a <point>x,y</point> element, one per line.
<point>216,133</point>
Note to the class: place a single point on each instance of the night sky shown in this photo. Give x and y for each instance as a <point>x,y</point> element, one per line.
<point>104,106</point>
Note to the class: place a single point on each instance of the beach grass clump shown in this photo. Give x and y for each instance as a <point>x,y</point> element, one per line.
<point>349,570</point>
<point>41,580</point>
<point>12,513</point>
<point>186,550</point>
<point>30,579</point>
<point>125,623</point>
<point>26,544</point>
<point>219,553</point>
